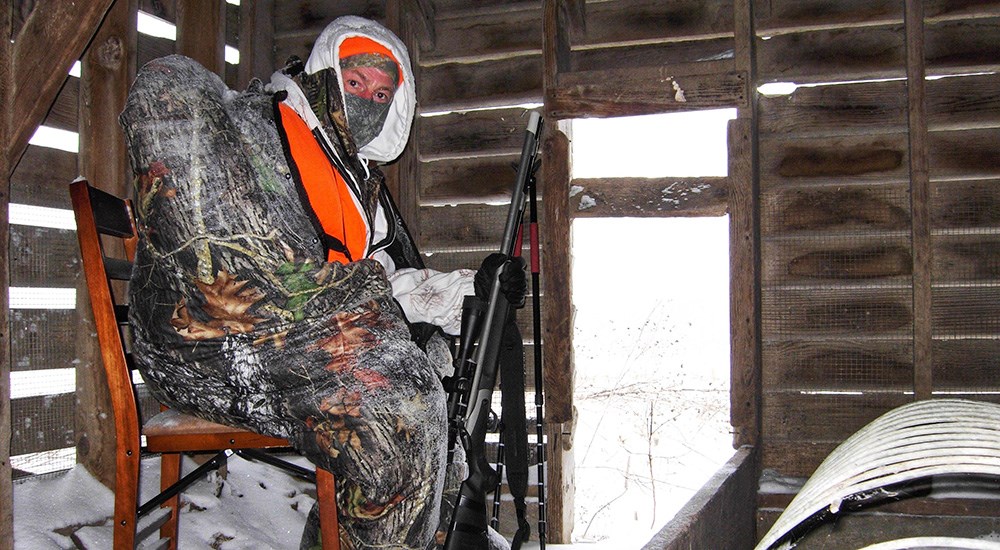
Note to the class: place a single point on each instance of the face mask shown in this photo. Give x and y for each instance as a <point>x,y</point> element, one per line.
<point>365,118</point>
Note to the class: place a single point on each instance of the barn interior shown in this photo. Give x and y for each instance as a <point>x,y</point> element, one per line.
<point>862,193</point>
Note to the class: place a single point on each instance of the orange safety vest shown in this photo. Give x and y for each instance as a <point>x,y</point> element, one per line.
<point>343,224</point>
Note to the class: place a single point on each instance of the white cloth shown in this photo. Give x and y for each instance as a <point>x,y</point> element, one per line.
<point>433,297</point>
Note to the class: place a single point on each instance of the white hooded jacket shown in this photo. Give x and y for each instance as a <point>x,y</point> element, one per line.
<point>425,295</point>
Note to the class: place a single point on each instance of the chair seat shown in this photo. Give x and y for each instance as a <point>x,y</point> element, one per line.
<point>173,431</point>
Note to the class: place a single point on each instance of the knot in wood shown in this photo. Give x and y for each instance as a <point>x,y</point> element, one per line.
<point>111,52</point>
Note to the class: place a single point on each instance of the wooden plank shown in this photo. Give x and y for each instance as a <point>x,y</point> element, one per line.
<point>966,258</point>
<point>556,273</point>
<point>843,311</point>
<point>468,181</point>
<point>201,32</point>
<point>645,55</point>
<point>43,339</point>
<point>776,17</point>
<point>845,365</point>
<point>965,311</point>
<point>647,90</point>
<point>560,487</point>
<point>833,55</point>
<point>829,418</point>
<point>721,515</point>
<point>464,227</point>
<point>164,9</point>
<point>42,423</point>
<point>836,160</point>
<point>649,197</point>
<point>6,167</point>
<point>920,207</point>
<point>832,211</point>
<point>782,16</point>
<point>744,278</point>
<point>255,42</point>
<point>63,113</point>
<point>297,15</point>
<point>845,109</point>
<point>403,176</point>
<point>962,103</point>
<point>494,83</point>
<point>149,48</point>
<point>43,257</point>
<point>970,102</point>
<point>298,24</point>
<point>472,35</point>
<point>869,260</point>
<point>52,38</point>
<point>637,21</point>
<point>43,176</point>
<point>963,154</point>
<point>459,135</point>
<point>966,365</point>
<point>962,46</point>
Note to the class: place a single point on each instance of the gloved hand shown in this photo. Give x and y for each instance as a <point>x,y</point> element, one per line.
<point>513,279</point>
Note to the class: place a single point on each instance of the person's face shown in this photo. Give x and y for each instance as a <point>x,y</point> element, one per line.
<point>369,83</point>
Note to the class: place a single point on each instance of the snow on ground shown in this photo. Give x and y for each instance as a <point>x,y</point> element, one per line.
<point>255,507</point>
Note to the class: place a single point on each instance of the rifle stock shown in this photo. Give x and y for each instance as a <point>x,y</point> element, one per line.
<point>469,403</point>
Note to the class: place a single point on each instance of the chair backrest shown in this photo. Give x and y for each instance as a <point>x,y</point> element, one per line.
<point>98,214</point>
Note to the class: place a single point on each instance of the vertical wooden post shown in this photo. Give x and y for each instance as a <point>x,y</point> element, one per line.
<point>256,43</point>
<point>403,175</point>
<point>107,69</point>
<point>744,244</point>
<point>557,310</point>
<point>201,33</point>
<point>6,472</point>
<point>919,200</point>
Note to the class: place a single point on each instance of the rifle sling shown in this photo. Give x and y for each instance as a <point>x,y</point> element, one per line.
<point>512,415</point>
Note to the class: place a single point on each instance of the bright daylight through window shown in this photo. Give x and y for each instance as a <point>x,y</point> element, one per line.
<point>651,332</point>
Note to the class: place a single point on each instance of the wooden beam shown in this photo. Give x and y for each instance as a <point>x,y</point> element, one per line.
<point>557,328</point>
<point>555,46</point>
<point>256,41</point>
<point>43,52</point>
<point>107,69</point>
<point>920,201</point>
<point>201,33</point>
<point>6,472</point>
<point>423,13</point>
<point>403,176</point>
<point>649,197</point>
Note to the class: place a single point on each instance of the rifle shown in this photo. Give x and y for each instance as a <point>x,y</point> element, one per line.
<point>476,365</point>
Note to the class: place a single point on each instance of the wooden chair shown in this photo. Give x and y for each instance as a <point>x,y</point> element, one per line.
<point>169,432</point>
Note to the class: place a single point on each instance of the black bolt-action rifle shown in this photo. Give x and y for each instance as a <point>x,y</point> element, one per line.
<point>476,365</point>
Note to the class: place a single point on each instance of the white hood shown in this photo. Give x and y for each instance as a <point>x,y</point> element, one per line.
<point>391,140</point>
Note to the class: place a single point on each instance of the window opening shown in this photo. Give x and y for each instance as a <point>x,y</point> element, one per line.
<point>651,332</point>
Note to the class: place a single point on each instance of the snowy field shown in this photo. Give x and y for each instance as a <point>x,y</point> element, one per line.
<point>652,372</point>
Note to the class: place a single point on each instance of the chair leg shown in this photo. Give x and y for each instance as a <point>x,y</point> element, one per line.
<point>170,472</point>
<point>329,524</point>
<point>126,500</point>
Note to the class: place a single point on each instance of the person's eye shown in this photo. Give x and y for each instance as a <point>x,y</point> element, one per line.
<point>382,97</point>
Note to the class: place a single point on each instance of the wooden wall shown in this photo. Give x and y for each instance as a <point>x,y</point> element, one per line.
<point>877,192</point>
